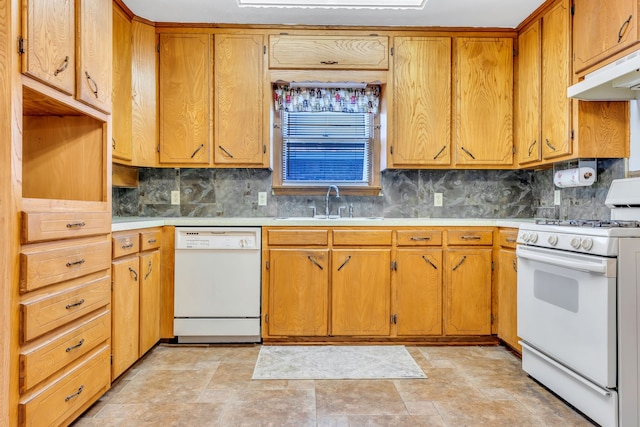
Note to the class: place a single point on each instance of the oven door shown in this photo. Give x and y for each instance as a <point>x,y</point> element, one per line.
<point>567,310</point>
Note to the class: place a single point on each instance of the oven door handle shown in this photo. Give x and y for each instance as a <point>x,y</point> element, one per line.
<point>560,261</point>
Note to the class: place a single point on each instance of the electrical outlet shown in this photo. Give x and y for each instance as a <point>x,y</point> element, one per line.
<point>262,198</point>
<point>175,197</point>
<point>437,199</point>
<point>556,197</point>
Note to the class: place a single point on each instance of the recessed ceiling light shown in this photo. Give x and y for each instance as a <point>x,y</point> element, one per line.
<point>336,4</point>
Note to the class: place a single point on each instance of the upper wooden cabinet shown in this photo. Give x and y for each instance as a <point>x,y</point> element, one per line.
<point>93,64</point>
<point>185,74</point>
<point>240,125</point>
<point>421,102</point>
<point>602,29</point>
<point>528,95</point>
<point>121,122</point>
<point>483,124</point>
<point>329,52</point>
<point>48,30</point>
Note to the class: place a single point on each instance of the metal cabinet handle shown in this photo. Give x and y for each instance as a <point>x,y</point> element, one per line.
<point>511,239</point>
<point>344,263</point>
<point>514,264</point>
<point>470,237</point>
<point>315,262</point>
<point>623,28</point>
<point>533,144</point>
<point>460,263</point>
<point>76,224</point>
<point>148,272</point>
<point>92,84</point>
<point>328,62</point>
<point>63,66</point>
<point>75,304</point>
<point>424,257</point>
<point>113,143</point>
<point>197,149</point>
<point>225,151</point>
<point>151,241</point>
<point>546,141</point>
<point>135,274</point>
<point>127,245</point>
<point>79,262</point>
<point>420,238</point>
<point>76,394</point>
<point>439,152</point>
<point>468,152</point>
<point>75,346</point>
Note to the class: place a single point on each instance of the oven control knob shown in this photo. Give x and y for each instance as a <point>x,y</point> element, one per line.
<point>533,237</point>
<point>525,236</point>
<point>587,243</point>
<point>553,240</point>
<point>575,242</point>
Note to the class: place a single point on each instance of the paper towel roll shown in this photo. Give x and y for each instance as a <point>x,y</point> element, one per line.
<point>574,177</point>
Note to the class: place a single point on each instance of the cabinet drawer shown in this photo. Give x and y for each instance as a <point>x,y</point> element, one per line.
<point>41,361</point>
<point>298,237</point>
<point>469,237</point>
<point>43,314</point>
<point>150,240</point>
<point>49,263</point>
<point>419,238</point>
<point>69,393</point>
<point>507,238</point>
<point>332,52</point>
<point>125,244</point>
<point>361,237</point>
<point>40,226</point>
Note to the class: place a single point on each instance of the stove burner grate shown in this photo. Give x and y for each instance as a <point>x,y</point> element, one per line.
<point>593,223</point>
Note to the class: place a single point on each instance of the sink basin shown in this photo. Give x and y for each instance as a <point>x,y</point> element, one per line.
<point>331,218</point>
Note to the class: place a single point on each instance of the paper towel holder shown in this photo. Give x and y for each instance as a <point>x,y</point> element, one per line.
<point>582,163</point>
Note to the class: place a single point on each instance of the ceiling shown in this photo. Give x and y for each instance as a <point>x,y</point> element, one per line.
<point>436,13</point>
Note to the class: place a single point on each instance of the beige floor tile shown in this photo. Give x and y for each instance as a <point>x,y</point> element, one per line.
<point>178,415</point>
<point>231,375</point>
<point>361,397</point>
<point>487,413</point>
<point>396,421</point>
<point>271,408</point>
<point>441,384</point>
<point>421,407</point>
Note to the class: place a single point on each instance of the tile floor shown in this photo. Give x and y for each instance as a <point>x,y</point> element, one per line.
<point>211,386</point>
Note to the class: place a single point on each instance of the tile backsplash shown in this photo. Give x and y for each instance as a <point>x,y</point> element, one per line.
<point>405,194</point>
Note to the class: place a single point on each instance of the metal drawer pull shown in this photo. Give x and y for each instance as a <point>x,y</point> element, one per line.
<point>76,394</point>
<point>148,272</point>
<point>511,239</point>
<point>65,64</point>
<point>468,152</point>
<point>93,86</point>
<point>515,265</point>
<point>315,262</point>
<point>75,304</point>
<point>328,62</point>
<point>345,262</point>
<point>79,262</point>
<point>225,151</point>
<point>420,239</point>
<point>424,257</point>
<point>550,145</point>
<point>439,152</point>
<point>533,144</point>
<point>470,237</point>
<point>460,263</point>
<point>623,28</point>
<point>127,245</point>
<point>151,241</point>
<point>75,346</point>
<point>197,149</point>
<point>76,224</point>
<point>135,274</point>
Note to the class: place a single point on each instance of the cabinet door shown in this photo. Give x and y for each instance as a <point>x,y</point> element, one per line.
<point>528,97</point>
<point>419,292</point>
<point>556,128</point>
<point>125,312</point>
<point>94,45</point>
<point>602,29</point>
<point>149,300</point>
<point>421,102</point>
<point>48,30</point>
<point>360,292</point>
<point>468,292</point>
<point>121,119</point>
<point>484,101</point>
<point>185,98</point>
<point>239,77</point>
<point>507,298</point>
<point>298,292</point>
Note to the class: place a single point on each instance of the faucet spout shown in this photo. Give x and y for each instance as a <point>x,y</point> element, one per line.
<point>331,187</point>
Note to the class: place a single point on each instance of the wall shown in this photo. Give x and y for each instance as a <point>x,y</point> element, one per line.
<point>405,194</point>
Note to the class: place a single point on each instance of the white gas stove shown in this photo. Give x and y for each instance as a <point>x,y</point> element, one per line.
<point>578,300</point>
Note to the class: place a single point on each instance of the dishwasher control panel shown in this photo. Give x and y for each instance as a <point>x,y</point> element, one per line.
<point>217,238</point>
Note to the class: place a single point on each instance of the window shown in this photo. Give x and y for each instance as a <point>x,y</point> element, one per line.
<point>326,136</point>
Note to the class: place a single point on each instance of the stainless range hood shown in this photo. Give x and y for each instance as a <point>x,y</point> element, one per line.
<point>617,81</point>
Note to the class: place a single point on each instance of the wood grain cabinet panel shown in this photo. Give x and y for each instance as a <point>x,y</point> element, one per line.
<point>48,30</point>
<point>507,289</point>
<point>125,308</point>
<point>419,237</point>
<point>125,244</point>
<point>40,226</point>
<point>122,146</point>
<point>149,300</point>
<point>297,237</point>
<point>361,237</point>
<point>329,52</point>
<point>150,240</point>
<point>469,237</point>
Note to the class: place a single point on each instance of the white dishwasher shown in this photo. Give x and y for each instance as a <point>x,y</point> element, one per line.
<point>217,284</point>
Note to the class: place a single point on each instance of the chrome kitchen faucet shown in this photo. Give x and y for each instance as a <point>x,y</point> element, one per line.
<point>326,209</point>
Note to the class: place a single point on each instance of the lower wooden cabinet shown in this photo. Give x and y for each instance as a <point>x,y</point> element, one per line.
<point>507,289</point>
<point>125,303</point>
